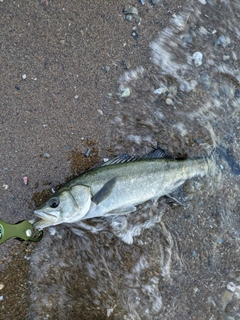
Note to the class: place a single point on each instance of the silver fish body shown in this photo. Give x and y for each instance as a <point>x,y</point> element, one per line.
<point>119,185</point>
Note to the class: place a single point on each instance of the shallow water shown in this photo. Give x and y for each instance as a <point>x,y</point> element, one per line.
<point>164,261</point>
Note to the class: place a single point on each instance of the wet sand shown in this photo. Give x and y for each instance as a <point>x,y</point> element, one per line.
<point>61,64</point>
<point>62,107</point>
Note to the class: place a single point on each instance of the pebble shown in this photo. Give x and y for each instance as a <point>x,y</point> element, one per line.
<point>1,286</point>
<point>203,31</point>
<point>202,2</point>
<point>169,101</point>
<point>226,57</point>
<point>131,10</point>
<point>128,17</point>
<point>160,90</point>
<point>222,41</point>
<point>156,1</point>
<point>25,180</point>
<point>1,298</point>
<point>126,64</point>
<point>76,97</point>
<point>134,34</point>
<point>46,155</point>
<point>5,186</point>
<point>126,93</point>
<point>106,68</point>
<point>197,57</point>
<point>24,76</point>
<point>87,153</point>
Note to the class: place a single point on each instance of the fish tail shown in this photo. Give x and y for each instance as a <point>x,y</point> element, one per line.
<point>211,160</point>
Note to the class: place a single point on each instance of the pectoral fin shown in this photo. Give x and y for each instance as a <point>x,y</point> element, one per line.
<point>122,210</point>
<point>178,195</point>
<point>105,191</point>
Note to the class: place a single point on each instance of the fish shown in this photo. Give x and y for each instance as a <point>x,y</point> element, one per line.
<point>119,185</point>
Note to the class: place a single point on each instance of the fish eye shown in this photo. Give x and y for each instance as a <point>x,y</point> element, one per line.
<point>54,202</point>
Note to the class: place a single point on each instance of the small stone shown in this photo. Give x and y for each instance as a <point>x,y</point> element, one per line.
<point>25,180</point>
<point>24,76</point>
<point>202,2</point>
<point>197,57</point>
<point>1,286</point>
<point>160,90</point>
<point>231,286</point>
<point>203,31</point>
<point>134,34</point>
<point>62,41</point>
<point>76,97</point>
<point>226,57</point>
<point>5,186</point>
<point>131,10</point>
<point>222,41</point>
<point>1,298</point>
<point>169,101</point>
<point>126,93</point>
<point>106,68</point>
<point>137,19</point>
<point>46,155</point>
<point>128,17</point>
<point>87,153</point>
<point>126,64</point>
<point>100,111</point>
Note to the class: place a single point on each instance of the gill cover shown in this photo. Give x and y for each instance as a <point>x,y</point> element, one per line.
<point>68,205</point>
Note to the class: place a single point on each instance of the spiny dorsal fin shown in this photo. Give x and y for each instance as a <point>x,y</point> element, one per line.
<point>123,158</point>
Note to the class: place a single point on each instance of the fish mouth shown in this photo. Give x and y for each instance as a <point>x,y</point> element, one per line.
<point>46,219</point>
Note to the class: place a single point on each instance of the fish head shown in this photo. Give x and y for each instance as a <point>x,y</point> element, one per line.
<point>68,205</point>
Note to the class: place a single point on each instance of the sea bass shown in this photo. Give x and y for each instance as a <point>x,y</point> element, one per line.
<point>119,185</point>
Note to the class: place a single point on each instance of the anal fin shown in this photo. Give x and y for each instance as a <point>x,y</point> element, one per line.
<point>122,210</point>
<point>178,195</point>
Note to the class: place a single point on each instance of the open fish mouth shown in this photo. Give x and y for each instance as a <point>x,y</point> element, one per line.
<point>44,220</point>
<point>46,216</point>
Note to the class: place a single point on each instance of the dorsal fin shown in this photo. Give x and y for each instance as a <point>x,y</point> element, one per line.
<point>123,158</point>
<point>158,154</point>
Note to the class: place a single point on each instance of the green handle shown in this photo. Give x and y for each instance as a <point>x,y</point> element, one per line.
<point>23,230</point>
